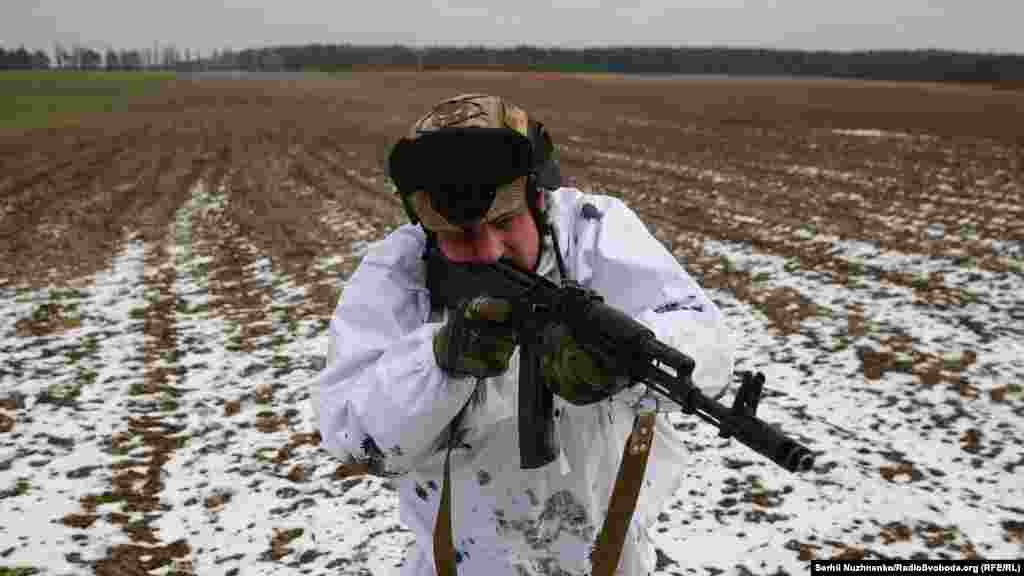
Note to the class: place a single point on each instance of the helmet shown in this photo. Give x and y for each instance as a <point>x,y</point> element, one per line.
<point>463,161</point>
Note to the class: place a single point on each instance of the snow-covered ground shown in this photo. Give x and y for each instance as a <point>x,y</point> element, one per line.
<point>157,414</point>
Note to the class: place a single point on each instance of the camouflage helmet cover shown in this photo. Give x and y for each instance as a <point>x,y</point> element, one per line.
<point>467,159</point>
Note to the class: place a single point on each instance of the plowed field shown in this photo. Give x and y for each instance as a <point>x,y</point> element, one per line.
<point>167,273</point>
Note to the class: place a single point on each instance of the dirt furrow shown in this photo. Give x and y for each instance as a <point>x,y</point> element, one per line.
<point>368,194</point>
<point>787,308</point>
<point>147,441</point>
<point>722,213</point>
<point>736,188</point>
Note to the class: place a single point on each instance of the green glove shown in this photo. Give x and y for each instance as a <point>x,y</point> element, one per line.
<point>573,373</point>
<point>476,341</point>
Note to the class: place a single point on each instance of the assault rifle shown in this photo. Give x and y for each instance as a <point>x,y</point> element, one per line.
<point>601,330</point>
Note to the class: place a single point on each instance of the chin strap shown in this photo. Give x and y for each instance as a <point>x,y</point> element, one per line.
<point>558,252</point>
<point>546,228</point>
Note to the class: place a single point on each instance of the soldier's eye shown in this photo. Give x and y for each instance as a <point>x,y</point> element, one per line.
<point>503,223</point>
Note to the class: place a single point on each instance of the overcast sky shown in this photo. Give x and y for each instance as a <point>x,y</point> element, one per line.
<point>981,25</point>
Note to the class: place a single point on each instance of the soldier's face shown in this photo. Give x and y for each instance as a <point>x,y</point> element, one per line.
<point>513,237</point>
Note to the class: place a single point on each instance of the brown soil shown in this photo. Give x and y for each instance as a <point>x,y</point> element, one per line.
<point>745,160</point>
<point>68,195</point>
<point>699,159</point>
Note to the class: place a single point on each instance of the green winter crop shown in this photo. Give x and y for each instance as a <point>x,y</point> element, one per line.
<point>45,98</point>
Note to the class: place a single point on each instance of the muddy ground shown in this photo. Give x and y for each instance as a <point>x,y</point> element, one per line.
<point>168,272</point>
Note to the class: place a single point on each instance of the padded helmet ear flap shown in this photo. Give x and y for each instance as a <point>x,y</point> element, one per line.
<point>398,165</point>
<point>544,165</point>
<point>544,174</point>
<point>541,141</point>
<point>398,169</point>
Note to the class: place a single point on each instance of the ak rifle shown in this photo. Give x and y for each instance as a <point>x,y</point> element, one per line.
<point>602,330</point>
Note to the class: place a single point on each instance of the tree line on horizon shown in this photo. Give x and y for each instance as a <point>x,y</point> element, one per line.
<point>921,65</point>
<point>22,59</point>
<point>924,65</point>
<point>77,57</point>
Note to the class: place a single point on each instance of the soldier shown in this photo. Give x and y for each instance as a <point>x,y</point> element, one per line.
<point>426,394</point>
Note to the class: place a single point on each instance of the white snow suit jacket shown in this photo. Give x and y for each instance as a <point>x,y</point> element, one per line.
<point>382,383</point>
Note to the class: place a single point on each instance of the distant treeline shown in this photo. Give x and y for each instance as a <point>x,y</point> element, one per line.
<point>922,65</point>
<point>22,59</point>
<point>77,57</point>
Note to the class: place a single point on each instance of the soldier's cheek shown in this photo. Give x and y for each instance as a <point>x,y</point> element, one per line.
<point>457,251</point>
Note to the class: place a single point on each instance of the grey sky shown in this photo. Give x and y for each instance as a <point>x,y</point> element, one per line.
<point>983,25</point>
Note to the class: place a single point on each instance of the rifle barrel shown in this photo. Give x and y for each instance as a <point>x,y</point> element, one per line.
<point>750,431</point>
<point>608,330</point>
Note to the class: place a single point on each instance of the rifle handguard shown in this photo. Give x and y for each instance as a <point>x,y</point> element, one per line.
<point>604,330</point>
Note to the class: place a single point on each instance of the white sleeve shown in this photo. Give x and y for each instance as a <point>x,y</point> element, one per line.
<point>627,265</point>
<point>695,328</point>
<point>382,397</point>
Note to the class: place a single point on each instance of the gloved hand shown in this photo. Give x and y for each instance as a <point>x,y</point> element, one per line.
<point>573,373</point>
<point>476,340</point>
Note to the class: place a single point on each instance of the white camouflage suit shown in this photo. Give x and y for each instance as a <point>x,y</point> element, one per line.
<point>382,382</point>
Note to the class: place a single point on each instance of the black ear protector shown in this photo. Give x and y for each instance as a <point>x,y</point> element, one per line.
<point>407,206</point>
<point>409,162</point>
<point>538,153</point>
<point>544,174</point>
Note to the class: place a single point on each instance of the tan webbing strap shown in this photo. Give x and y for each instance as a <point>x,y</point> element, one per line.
<point>444,548</point>
<point>607,551</point>
<point>444,545</point>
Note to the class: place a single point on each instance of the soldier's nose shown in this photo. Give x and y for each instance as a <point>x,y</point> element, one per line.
<point>487,243</point>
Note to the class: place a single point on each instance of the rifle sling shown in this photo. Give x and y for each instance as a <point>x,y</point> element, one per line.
<point>607,550</point>
<point>444,547</point>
